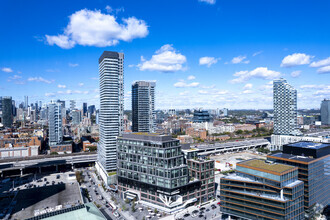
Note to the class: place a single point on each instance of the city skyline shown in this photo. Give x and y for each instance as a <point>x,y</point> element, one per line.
<point>215,60</point>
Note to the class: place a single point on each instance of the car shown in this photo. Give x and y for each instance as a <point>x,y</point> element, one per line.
<point>218,196</point>
<point>116,214</point>
<point>201,216</point>
<point>58,176</point>
<point>202,209</point>
<point>213,207</point>
<point>186,215</point>
<point>219,203</point>
<point>195,211</point>
<point>207,210</point>
<point>45,179</point>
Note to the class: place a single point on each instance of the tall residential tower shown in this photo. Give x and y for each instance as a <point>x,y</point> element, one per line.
<point>143,106</point>
<point>111,73</point>
<point>285,108</point>
<point>55,123</point>
<point>325,112</point>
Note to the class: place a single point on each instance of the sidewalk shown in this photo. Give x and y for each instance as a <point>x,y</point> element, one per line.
<point>108,197</point>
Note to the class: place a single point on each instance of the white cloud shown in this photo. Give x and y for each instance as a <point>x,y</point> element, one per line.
<point>81,84</point>
<point>183,93</point>
<point>324,69</point>
<point>248,86</point>
<point>296,73</point>
<point>203,92</point>
<point>166,59</point>
<point>296,59</point>
<point>61,86</point>
<point>208,87</point>
<point>191,77</point>
<point>260,72</point>
<point>14,77</point>
<point>40,79</point>
<point>324,62</point>
<point>311,86</point>
<point>73,64</point>
<point>208,61</point>
<point>240,59</point>
<point>183,84</point>
<point>6,69</point>
<point>108,8</point>
<point>50,94</point>
<point>94,78</point>
<point>257,53</point>
<point>248,91</point>
<point>211,2</point>
<point>70,92</point>
<point>92,28</point>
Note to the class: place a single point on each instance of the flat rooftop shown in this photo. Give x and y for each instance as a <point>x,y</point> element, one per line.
<point>144,136</point>
<point>293,157</point>
<point>262,164</point>
<point>309,145</point>
<point>30,200</point>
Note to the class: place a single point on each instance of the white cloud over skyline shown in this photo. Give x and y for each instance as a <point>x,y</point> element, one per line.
<point>259,72</point>
<point>93,28</point>
<point>166,59</point>
<point>208,61</point>
<point>296,59</point>
<point>240,59</point>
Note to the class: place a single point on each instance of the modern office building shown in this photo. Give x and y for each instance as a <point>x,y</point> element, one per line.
<point>84,109</point>
<point>7,111</point>
<point>203,170</point>
<point>261,189</point>
<point>285,108</point>
<point>111,71</point>
<point>55,123</point>
<point>26,102</point>
<point>76,117</point>
<point>201,116</point>
<point>325,112</point>
<point>0,108</point>
<point>91,109</point>
<point>313,163</point>
<point>151,169</point>
<point>63,110</point>
<point>225,112</point>
<point>143,106</point>
<point>72,105</point>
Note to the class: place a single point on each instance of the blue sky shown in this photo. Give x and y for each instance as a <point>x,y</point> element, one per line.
<point>209,54</point>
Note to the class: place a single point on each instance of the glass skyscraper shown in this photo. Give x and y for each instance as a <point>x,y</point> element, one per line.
<point>55,123</point>
<point>111,71</point>
<point>143,106</point>
<point>325,112</point>
<point>7,111</point>
<point>285,108</point>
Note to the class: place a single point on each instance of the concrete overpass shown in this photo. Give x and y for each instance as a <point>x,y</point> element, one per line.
<point>38,164</point>
<point>236,146</point>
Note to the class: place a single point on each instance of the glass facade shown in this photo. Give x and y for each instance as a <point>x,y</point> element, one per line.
<point>316,177</point>
<point>250,193</point>
<point>152,167</point>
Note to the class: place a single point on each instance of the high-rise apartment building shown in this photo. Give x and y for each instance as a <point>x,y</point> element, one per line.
<point>111,71</point>
<point>72,105</point>
<point>26,102</point>
<point>201,116</point>
<point>55,123</point>
<point>84,109</point>
<point>7,111</point>
<point>285,108</point>
<point>262,190</point>
<point>313,162</point>
<point>325,112</point>
<point>143,106</point>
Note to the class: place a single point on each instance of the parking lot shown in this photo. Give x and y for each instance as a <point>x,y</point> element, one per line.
<point>26,196</point>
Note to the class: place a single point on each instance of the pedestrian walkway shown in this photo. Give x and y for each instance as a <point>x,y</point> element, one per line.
<point>108,198</point>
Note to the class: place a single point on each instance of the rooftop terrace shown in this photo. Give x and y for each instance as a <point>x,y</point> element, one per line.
<point>262,164</point>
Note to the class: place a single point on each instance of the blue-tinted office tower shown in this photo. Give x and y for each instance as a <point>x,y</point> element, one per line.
<point>325,112</point>
<point>7,111</point>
